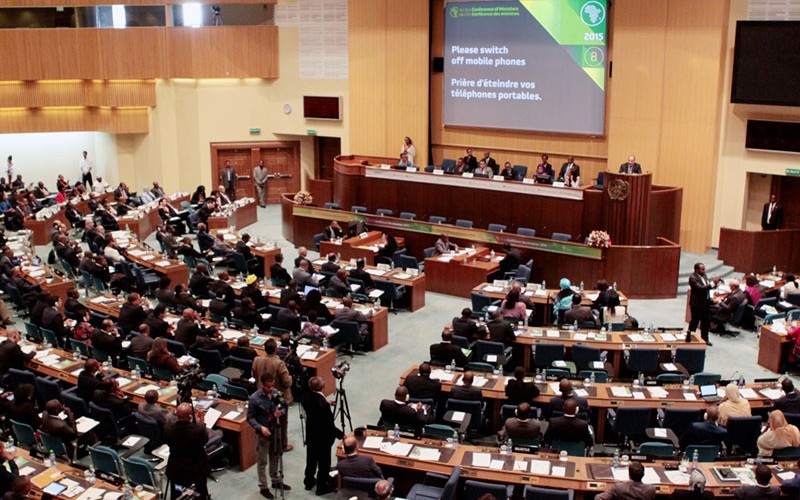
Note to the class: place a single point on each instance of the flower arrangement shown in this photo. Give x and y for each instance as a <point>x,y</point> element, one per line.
<point>303,198</point>
<point>599,239</point>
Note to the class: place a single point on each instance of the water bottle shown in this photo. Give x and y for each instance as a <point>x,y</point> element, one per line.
<point>544,285</point>
<point>641,380</point>
<point>450,442</point>
<point>592,378</point>
<point>77,353</point>
<point>504,449</point>
<point>91,478</point>
<point>774,269</point>
<point>759,460</point>
<point>52,459</point>
<point>135,373</point>
<point>616,458</point>
<point>455,437</point>
<point>575,325</point>
<point>325,344</point>
<point>686,384</point>
<point>452,366</point>
<point>691,380</point>
<point>694,459</point>
<point>614,286</point>
<point>396,432</point>
<point>10,448</point>
<point>581,285</point>
<point>214,392</point>
<point>127,491</point>
<point>510,445</point>
<point>741,380</point>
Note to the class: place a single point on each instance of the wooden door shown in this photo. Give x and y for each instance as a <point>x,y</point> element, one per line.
<point>327,148</point>
<point>282,160</point>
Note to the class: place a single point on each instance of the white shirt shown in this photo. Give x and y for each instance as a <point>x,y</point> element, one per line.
<point>86,166</point>
<point>10,171</point>
<point>411,151</point>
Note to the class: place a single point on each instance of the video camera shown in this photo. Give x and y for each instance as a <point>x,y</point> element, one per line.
<point>340,370</point>
<point>188,381</point>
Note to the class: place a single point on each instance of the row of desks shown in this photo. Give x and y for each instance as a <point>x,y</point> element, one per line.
<point>241,216</point>
<point>364,246</point>
<point>410,459</point>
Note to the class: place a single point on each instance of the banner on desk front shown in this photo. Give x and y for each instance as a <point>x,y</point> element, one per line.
<point>474,235</point>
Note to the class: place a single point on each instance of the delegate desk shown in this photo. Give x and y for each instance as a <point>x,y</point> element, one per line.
<point>457,273</point>
<point>415,285</point>
<point>244,213</point>
<point>41,226</point>
<point>552,259</point>
<point>364,246</point>
<point>62,366</point>
<point>586,476</point>
<point>266,251</point>
<point>176,270</point>
<point>319,361</point>
<point>774,348</point>
<point>143,221</point>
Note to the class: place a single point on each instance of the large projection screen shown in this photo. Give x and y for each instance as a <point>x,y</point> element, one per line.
<point>537,65</point>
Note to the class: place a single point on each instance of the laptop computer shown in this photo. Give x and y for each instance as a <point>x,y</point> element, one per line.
<point>709,393</point>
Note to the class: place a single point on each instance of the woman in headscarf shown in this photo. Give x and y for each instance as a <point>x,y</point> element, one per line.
<point>562,301</point>
<point>779,434</point>
<point>734,405</point>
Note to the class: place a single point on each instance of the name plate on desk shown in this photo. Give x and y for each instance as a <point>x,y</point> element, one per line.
<point>384,166</point>
<point>527,180</point>
<point>411,169</point>
<point>438,172</point>
<point>499,178</point>
<point>558,184</point>
<point>363,235</point>
<point>468,175</point>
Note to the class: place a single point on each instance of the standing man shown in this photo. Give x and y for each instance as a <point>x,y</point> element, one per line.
<point>228,179</point>
<point>188,461</point>
<point>86,170</point>
<point>700,302</point>
<point>10,169</point>
<point>263,413</point>
<point>272,365</point>
<point>321,432</point>
<point>772,215</point>
<point>630,167</point>
<point>260,176</point>
<point>570,172</point>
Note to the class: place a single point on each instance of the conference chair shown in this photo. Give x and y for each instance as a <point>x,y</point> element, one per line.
<point>601,177</point>
<point>105,459</point>
<point>110,428</point>
<point>75,403</point>
<point>448,165</point>
<point>47,389</point>
<point>473,490</point>
<point>642,360</point>
<point>520,172</point>
<point>743,433</point>
<point>364,485</point>
<point>481,303</point>
<point>150,429</point>
<point>692,359</point>
<point>669,378</point>
<point>178,349</point>
<point>557,373</point>
<point>426,491</point>
<point>57,446</point>
<point>482,349</point>
<point>235,391</point>
<point>526,231</point>
<point>409,261</point>
<point>544,355</point>
<point>743,316</point>
<point>500,228</point>
<point>522,274</point>
<point>765,302</point>
<point>385,212</point>
<point>392,293</point>
<point>348,337</point>
<point>359,209</point>
<point>428,252</point>
<point>573,448</point>
<point>657,450</point>
<point>437,431</point>
<point>705,452</point>
<point>437,219</point>
<point>584,357</point>
<point>210,360</point>
<point>464,223</point>
<point>139,363</point>
<point>789,453</point>
<point>600,376</point>
<point>408,215</point>
<point>476,409</point>
<point>49,336</point>
<point>25,434</point>
<point>80,345</point>
<point>141,472</point>
<point>706,378</point>
<point>629,422</point>
<point>561,237</point>
<point>678,419</point>
<point>430,168</point>
<point>538,493</point>
<point>332,206</point>
<point>17,376</point>
<point>32,332</point>
<point>318,240</point>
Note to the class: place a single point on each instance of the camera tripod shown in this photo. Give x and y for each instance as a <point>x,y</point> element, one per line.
<point>277,449</point>
<point>341,407</point>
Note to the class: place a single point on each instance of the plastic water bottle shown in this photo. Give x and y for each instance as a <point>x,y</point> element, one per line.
<point>641,380</point>
<point>759,460</point>
<point>614,286</point>
<point>135,373</point>
<point>691,380</point>
<point>544,285</point>
<point>685,384</point>
<point>10,448</point>
<point>510,445</point>
<point>92,477</point>
<point>774,269</point>
<point>504,449</point>
<point>592,378</point>
<point>127,491</point>
<point>741,380</point>
<point>452,366</point>
<point>616,459</point>
<point>396,432</point>
<point>52,459</point>
<point>694,459</point>
<point>581,285</point>
<point>214,392</point>
<point>77,353</point>
<point>450,442</point>
<point>575,326</point>
<point>326,344</point>
<point>455,437</point>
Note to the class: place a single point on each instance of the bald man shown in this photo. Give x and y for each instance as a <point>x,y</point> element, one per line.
<point>355,465</point>
<point>630,167</point>
<point>705,432</point>
<point>188,460</point>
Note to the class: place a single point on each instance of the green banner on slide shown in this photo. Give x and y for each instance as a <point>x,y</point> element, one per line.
<point>474,235</point>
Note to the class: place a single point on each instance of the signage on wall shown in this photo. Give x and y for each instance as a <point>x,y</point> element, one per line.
<point>793,171</point>
<point>255,130</point>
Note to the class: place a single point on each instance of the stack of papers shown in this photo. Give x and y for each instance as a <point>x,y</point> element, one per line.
<point>146,387</point>
<point>398,448</point>
<point>670,367</point>
<point>540,467</point>
<point>481,459</point>
<point>372,442</point>
<point>657,392</point>
<point>425,453</point>
<point>668,337</point>
<point>748,393</point>
<point>651,476</point>
<point>439,374</point>
<point>621,392</point>
<point>772,393</point>
<point>85,424</point>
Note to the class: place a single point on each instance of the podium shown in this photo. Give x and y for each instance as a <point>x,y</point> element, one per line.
<point>626,207</point>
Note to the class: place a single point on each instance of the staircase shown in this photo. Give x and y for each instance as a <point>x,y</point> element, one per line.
<point>714,267</point>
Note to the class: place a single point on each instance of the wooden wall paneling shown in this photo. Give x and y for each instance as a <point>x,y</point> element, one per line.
<point>130,93</point>
<point>81,52</point>
<point>36,94</point>
<point>120,121</point>
<point>133,53</point>
<point>181,53</point>
<point>593,210</point>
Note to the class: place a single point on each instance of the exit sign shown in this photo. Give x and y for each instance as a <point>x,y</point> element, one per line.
<point>793,171</point>
<point>255,130</point>
<point>311,131</point>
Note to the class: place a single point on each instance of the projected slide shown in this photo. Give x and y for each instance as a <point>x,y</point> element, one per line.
<point>529,64</point>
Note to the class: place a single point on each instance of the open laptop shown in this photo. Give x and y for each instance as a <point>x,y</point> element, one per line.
<point>709,393</point>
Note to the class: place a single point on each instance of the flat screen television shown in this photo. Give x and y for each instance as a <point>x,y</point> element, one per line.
<point>766,63</point>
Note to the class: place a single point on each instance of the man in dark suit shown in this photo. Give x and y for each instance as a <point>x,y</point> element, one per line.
<point>521,425</point>
<point>790,401</point>
<point>630,490</point>
<point>158,325</point>
<point>760,491</point>
<point>278,272</point>
<point>421,386</point>
<point>107,339</point>
<point>321,432</point>
<point>151,409</point>
<point>11,356</point>
<point>132,313</point>
<point>288,318</point>
<point>187,329</point>
<point>360,274</point>
<point>579,313</point>
<point>142,343</point>
<point>188,460</point>
<point>501,330</point>
<point>465,326</point>
<point>199,282</point>
<point>110,397</point>
<point>470,162</point>
<point>510,262</point>
<point>398,411</point>
<point>243,350</point>
<point>772,214</point>
<point>565,388</point>
<point>90,380</point>
<point>53,320</point>
<point>568,427</point>
<point>466,391</point>
<point>355,465</point>
<point>700,301</point>
<point>330,265</point>
<point>519,391</point>
<point>705,432</point>
<point>446,351</point>
<point>630,167</point>
<point>491,162</point>
<point>204,239</point>
<point>57,427</point>
<point>569,171</point>
<point>332,231</point>
<point>228,179</point>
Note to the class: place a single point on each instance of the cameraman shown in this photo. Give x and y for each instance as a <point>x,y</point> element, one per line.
<point>264,411</point>
<point>271,364</point>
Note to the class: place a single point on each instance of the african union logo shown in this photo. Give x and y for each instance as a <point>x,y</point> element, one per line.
<point>454,12</point>
<point>593,13</point>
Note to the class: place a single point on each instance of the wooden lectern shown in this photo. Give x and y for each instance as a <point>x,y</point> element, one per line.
<point>626,207</point>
